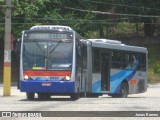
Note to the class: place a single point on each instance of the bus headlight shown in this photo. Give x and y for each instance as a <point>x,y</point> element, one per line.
<point>26,77</point>
<point>67,78</point>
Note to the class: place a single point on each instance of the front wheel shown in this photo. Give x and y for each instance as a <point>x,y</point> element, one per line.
<point>43,96</point>
<point>92,95</point>
<point>30,95</point>
<point>74,96</point>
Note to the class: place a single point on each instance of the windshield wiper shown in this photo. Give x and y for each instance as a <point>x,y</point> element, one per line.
<point>40,48</point>
<point>53,49</point>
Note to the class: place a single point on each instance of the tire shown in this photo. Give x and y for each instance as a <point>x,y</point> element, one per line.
<point>140,86</point>
<point>123,90</point>
<point>74,96</point>
<point>47,97</point>
<point>41,96</point>
<point>114,95</point>
<point>92,95</point>
<point>30,95</point>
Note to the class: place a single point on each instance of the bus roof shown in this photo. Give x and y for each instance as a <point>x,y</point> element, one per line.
<point>115,44</point>
<point>51,27</point>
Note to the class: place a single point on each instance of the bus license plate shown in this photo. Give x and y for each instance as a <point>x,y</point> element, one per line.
<point>46,84</point>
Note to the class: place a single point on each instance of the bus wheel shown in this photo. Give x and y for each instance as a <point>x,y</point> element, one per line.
<point>114,95</point>
<point>30,95</point>
<point>47,96</point>
<point>92,95</point>
<point>74,96</point>
<point>123,90</point>
<point>41,96</point>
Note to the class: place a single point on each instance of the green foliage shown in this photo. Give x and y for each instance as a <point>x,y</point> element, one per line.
<point>124,28</point>
<point>32,12</point>
<point>144,8</point>
<point>24,14</point>
<point>153,60</point>
<point>1,20</point>
<point>157,69</point>
<point>91,34</point>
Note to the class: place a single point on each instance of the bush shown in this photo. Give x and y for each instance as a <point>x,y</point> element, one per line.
<point>157,69</point>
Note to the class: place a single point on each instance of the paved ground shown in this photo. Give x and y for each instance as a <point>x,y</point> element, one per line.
<point>149,101</point>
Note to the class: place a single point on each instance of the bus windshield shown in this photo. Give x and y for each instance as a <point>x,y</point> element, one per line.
<point>47,54</point>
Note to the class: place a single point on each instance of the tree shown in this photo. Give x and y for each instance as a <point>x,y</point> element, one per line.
<point>31,12</point>
<point>25,14</point>
<point>148,9</point>
<point>2,14</point>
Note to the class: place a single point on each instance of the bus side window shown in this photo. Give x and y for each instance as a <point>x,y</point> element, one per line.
<point>84,57</point>
<point>96,60</point>
<point>78,54</point>
<point>132,60</point>
<point>142,62</point>
<point>18,47</point>
<point>125,60</point>
<point>116,59</point>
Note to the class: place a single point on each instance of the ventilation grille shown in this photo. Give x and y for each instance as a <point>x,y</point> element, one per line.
<point>106,41</point>
<point>50,27</point>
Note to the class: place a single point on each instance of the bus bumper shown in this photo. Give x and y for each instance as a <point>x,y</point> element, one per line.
<point>47,86</point>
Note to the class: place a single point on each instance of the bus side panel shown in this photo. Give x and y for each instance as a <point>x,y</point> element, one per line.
<point>47,86</point>
<point>138,84</point>
<point>96,83</point>
<point>115,82</point>
<point>116,78</point>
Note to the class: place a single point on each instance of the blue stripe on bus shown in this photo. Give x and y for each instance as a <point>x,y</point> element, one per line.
<point>116,80</point>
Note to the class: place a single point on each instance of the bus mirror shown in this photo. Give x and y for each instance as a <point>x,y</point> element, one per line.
<point>18,47</point>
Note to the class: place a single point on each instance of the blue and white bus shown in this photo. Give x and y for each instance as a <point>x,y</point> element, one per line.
<point>55,60</point>
<point>113,68</point>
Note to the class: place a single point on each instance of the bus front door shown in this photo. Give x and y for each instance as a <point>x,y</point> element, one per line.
<point>105,71</point>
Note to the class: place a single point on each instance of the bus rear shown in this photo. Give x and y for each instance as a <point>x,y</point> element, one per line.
<point>47,62</point>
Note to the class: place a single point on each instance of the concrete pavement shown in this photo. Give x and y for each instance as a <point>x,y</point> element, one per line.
<point>148,101</point>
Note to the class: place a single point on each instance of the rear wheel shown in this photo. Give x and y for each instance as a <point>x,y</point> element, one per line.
<point>123,90</point>
<point>30,95</point>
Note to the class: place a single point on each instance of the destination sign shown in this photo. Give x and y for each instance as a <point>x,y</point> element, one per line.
<point>49,36</point>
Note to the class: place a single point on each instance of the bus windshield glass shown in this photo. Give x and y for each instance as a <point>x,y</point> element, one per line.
<point>45,53</point>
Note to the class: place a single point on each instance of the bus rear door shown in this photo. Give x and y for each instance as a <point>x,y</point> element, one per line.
<point>105,71</point>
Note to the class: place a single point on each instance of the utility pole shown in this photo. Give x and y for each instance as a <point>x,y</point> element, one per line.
<point>7,50</point>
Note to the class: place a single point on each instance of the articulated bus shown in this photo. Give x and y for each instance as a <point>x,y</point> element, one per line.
<point>55,60</point>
